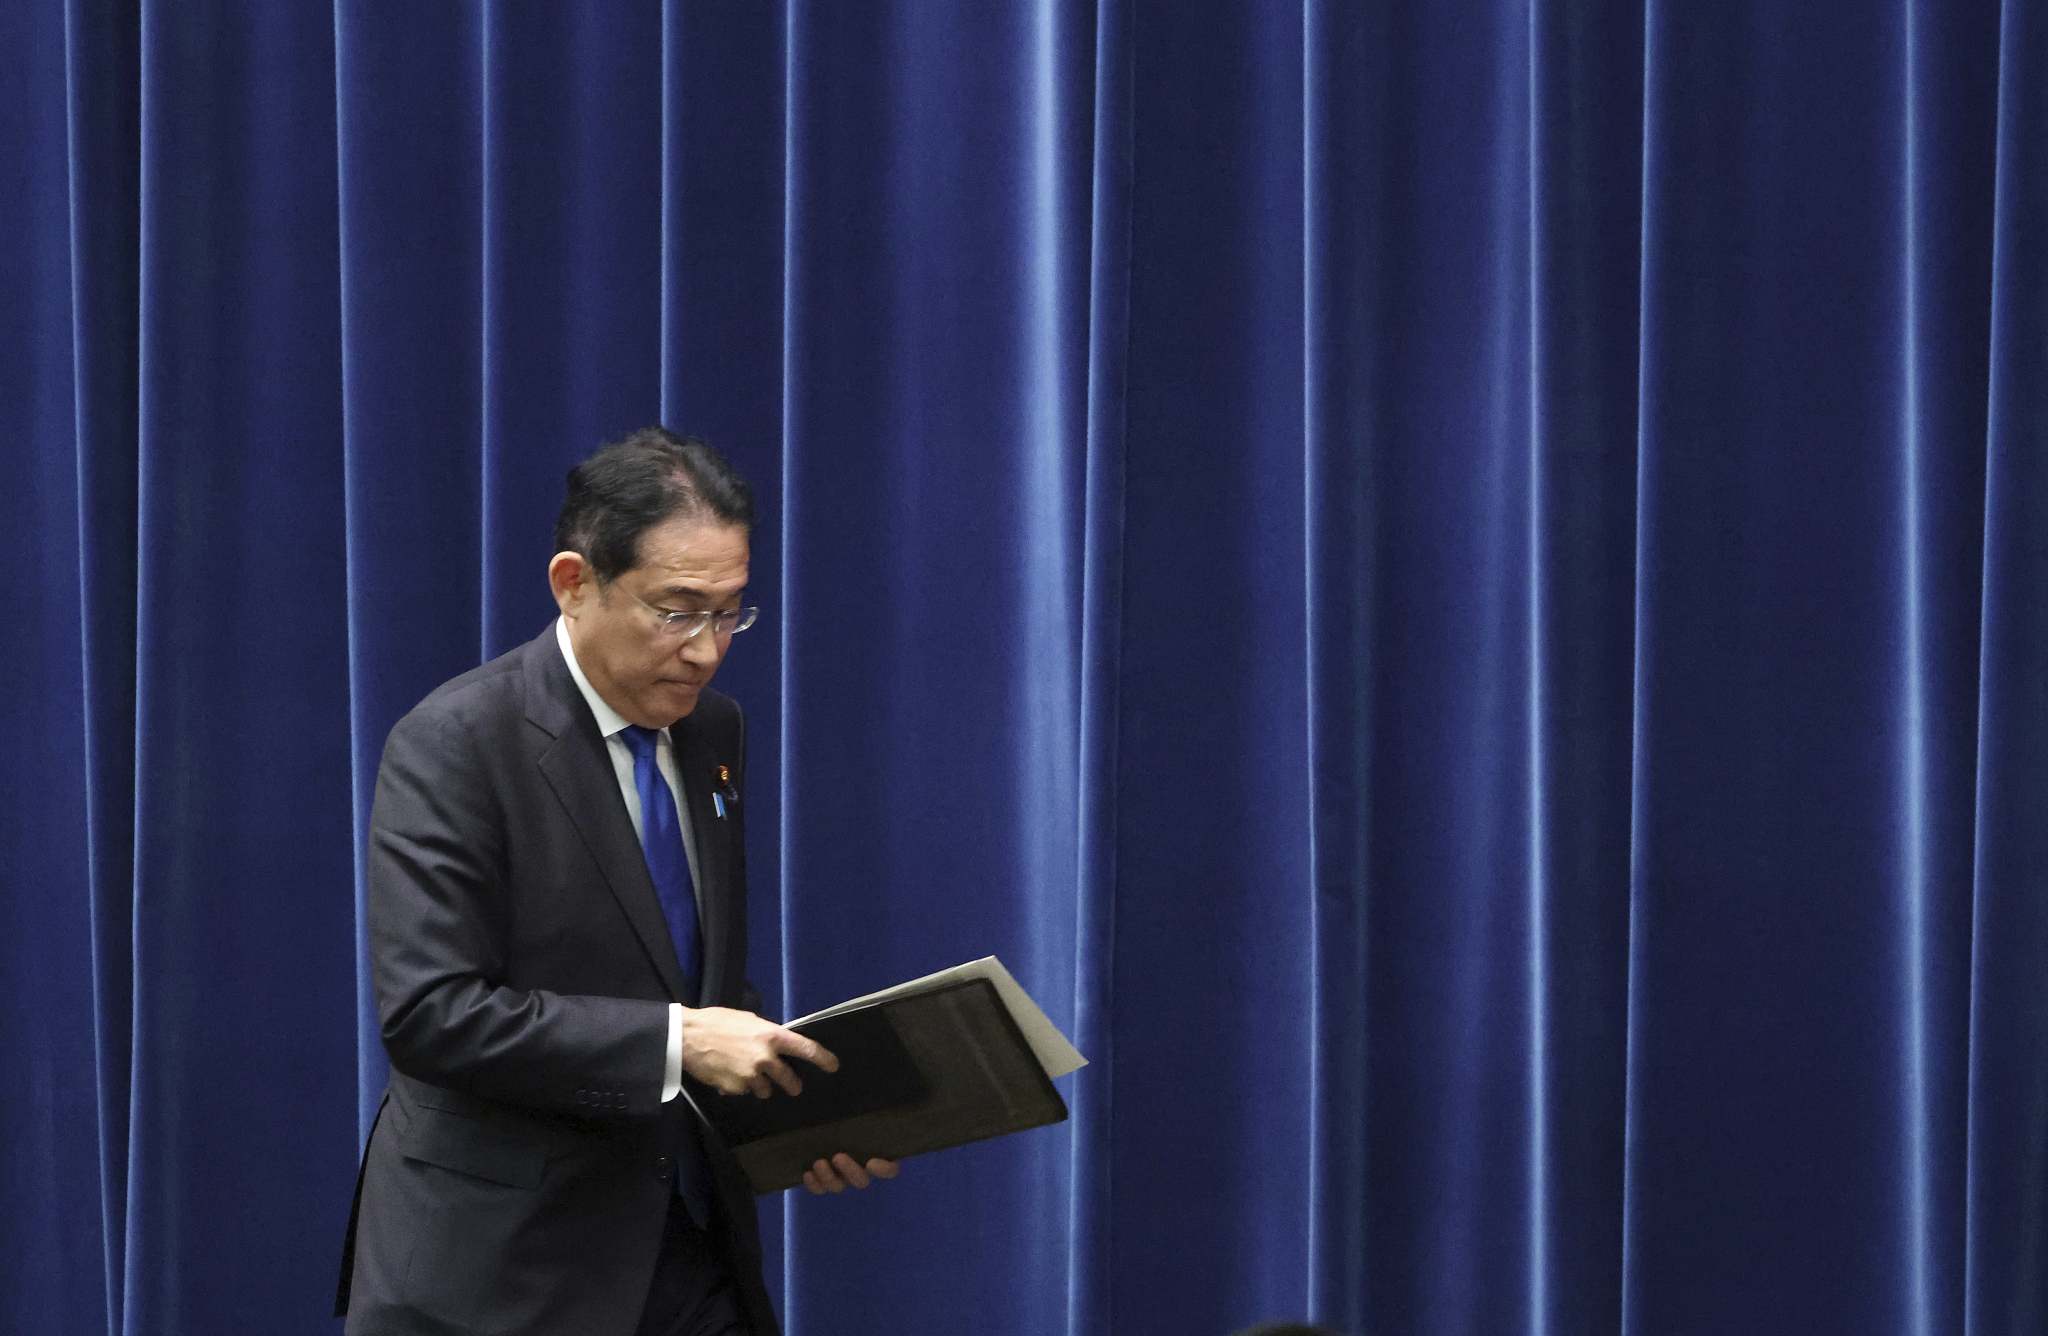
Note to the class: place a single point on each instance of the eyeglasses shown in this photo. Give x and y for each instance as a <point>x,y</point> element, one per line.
<point>684,625</point>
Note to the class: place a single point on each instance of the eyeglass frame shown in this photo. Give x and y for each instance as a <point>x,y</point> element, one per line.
<point>666,621</point>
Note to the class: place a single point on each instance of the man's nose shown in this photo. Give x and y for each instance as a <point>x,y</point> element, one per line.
<point>701,649</point>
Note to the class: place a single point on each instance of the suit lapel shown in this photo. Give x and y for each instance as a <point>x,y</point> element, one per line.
<point>697,765</point>
<point>579,770</point>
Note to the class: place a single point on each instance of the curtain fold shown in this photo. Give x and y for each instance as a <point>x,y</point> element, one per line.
<point>1088,1273</point>
<point>1813,369</point>
<point>241,724</point>
<point>53,1235</point>
<point>1456,587</point>
<point>409,168</point>
<point>2005,1219</point>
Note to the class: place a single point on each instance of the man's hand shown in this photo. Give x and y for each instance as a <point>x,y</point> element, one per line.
<point>736,1052</point>
<point>841,1172</point>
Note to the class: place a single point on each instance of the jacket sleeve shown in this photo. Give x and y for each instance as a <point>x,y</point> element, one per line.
<point>438,934</point>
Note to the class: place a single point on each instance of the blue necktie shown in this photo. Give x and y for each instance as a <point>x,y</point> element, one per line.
<point>668,864</point>
<point>661,837</point>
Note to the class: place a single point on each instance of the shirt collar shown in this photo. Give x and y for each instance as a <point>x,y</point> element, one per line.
<point>609,721</point>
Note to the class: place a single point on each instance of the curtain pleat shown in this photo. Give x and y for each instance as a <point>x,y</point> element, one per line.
<point>2003,1220</point>
<point>103,185</point>
<point>1094,903</point>
<point>1457,588</point>
<point>242,1088</point>
<point>409,163</point>
<point>1811,514</point>
<point>53,1233</point>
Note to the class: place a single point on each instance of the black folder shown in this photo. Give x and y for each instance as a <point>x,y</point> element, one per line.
<point>917,1073</point>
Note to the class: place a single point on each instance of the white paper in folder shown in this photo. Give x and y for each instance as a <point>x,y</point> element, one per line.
<point>1048,1045</point>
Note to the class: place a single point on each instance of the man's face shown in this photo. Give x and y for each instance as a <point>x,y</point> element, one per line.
<point>650,675</point>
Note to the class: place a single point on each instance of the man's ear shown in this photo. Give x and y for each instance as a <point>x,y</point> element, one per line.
<point>573,581</point>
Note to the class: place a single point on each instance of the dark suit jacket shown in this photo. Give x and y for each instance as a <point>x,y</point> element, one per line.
<point>518,1176</point>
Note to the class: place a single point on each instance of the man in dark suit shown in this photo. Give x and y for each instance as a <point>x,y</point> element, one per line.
<point>557,923</point>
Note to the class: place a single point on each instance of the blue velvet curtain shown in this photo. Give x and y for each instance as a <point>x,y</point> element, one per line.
<point>1460,587</point>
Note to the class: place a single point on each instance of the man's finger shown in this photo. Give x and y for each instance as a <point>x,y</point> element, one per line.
<point>882,1168</point>
<point>778,1071</point>
<point>827,1179</point>
<point>757,1085</point>
<point>849,1170</point>
<point>811,1183</point>
<point>810,1050</point>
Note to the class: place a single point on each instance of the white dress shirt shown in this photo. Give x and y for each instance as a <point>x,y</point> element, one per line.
<point>611,723</point>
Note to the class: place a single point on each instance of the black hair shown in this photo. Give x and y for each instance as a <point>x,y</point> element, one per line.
<point>639,481</point>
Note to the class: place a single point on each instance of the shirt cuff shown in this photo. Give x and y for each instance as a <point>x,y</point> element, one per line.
<point>672,1070</point>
